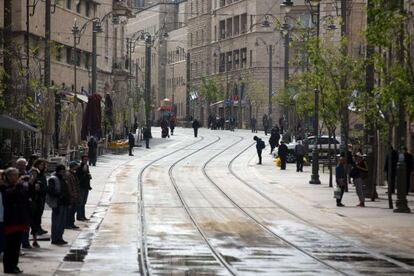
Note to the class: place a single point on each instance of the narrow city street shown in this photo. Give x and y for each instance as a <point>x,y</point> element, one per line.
<point>201,206</point>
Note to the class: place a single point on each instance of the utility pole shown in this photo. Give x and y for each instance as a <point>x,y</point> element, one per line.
<point>148,45</point>
<point>401,203</point>
<point>270,80</point>
<point>75,62</point>
<point>47,80</point>
<point>188,87</point>
<point>96,27</point>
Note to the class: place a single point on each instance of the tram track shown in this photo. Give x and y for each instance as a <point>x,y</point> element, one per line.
<point>253,218</point>
<point>377,255</point>
<point>143,261</point>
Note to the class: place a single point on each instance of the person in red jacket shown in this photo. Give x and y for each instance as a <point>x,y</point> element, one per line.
<point>16,195</point>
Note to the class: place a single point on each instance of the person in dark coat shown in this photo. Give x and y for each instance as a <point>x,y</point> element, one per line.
<point>253,123</point>
<point>131,143</point>
<point>196,126</point>
<point>40,195</point>
<point>391,172</point>
<point>74,194</point>
<point>16,195</point>
<point>260,145</point>
<point>84,178</point>
<point>274,139</point>
<point>265,121</point>
<point>300,152</point>
<point>408,157</point>
<point>341,175</point>
<point>92,151</point>
<point>164,129</point>
<point>146,133</point>
<point>172,125</point>
<point>58,190</point>
<point>282,153</point>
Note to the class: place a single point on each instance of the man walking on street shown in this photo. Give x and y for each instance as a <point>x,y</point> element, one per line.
<point>391,172</point>
<point>253,123</point>
<point>265,122</point>
<point>300,154</point>
<point>340,175</point>
<point>131,143</point>
<point>196,126</point>
<point>84,177</point>
<point>260,145</point>
<point>409,166</point>
<point>282,153</point>
<point>274,139</point>
<point>147,136</point>
<point>58,191</point>
<point>74,194</point>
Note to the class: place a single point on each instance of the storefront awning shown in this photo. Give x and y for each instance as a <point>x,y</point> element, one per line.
<point>7,122</point>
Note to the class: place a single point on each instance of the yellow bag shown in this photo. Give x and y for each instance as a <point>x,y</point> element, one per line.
<point>278,162</point>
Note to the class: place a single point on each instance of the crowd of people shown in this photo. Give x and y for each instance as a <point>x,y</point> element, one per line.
<point>26,189</point>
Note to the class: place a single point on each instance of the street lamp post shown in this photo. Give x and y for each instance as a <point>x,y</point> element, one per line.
<point>314,8</point>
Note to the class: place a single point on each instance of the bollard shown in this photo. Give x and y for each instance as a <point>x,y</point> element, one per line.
<point>401,203</point>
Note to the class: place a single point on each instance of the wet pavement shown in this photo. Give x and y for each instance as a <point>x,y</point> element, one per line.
<point>202,207</point>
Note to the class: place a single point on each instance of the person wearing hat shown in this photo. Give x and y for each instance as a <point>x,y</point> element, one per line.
<point>359,173</point>
<point>74,194</point>
<point>282,153</point>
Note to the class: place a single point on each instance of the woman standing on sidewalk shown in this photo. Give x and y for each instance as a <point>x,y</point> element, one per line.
<point>359,173</point>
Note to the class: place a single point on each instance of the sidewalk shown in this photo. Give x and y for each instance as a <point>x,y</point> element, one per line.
<point>47,260</point>
<point>375,225</point>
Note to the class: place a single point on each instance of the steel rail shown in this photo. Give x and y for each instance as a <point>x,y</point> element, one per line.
<point>363,249</point>
<point>143,254</point>
<point>216,253</point>
<point>254,219</point>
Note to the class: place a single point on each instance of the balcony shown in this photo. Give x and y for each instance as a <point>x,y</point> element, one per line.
<point>119,67</point>
<point>123,8</point>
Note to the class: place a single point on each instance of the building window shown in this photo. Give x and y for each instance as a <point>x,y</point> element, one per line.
<point>69,4</point>
<point>243,54</point>
<point>243,23</point>
<point>229,27</point>
<point>191,40</point>
<point>59,53</point>
<point>202,37</point>
<point>78,6</point>
<point>222,29</point>
<point>236,59</point>
<point>215,33</point>
<point>251,58</point>
<point>222,3</point>
<point>236,22</point>
<point>87,57</point>
<point>229,61</point>
<point>87,9</point>
<point>222,66</point>
<point>69,58</point>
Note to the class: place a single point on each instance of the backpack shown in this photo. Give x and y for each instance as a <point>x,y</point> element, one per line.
<point>261,144</point>
<point>51,200</point>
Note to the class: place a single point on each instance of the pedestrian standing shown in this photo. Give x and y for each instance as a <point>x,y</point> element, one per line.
<point>21,165</point>
<point>131,143</point>
<point>196,126</point>
<point>408,158</point>
<point>265,122</point>
<point>391,172</point>
<point>282,153</point>
<point>92,151</point>
<point>58,193</point>
<point>300,152</point>
<point>74,194</point>
<point>164,129</point>
<point>260,145</point>
<point>16,204</point>
<point>340,175</point>
<point>172,125</point>
<point>146,133</point>
<point>274,139</point>
<point>253,123</point>
<point>359,173</point>
<point>40,195</point>
<point>84,178</point>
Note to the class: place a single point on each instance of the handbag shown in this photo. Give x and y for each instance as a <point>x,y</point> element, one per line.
<point>337,192</point>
